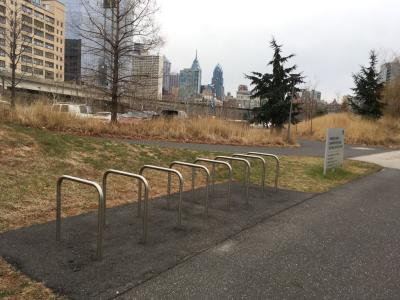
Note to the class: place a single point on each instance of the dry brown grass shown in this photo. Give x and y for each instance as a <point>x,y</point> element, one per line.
<point>15,285</point>
<point>199,130</point>
<point>383,132</point>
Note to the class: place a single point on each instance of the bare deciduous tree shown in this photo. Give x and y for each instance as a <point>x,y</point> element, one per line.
<point>15,40</point>
<point>110,36</point>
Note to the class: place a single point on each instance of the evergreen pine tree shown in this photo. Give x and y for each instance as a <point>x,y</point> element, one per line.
<point>368,91</point>
<point>275,90</point>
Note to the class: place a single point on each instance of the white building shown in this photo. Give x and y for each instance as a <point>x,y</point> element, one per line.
<point>244,100</point>
<point>389,71</point>
<point>147,77</point>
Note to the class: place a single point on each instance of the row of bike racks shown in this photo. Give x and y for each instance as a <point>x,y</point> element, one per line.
<point>198,165</point>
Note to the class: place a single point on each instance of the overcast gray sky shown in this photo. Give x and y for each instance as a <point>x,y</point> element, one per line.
<point>330,38</point>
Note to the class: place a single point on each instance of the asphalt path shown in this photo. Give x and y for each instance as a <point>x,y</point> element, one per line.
<point>306,148</point>
<point>343,244</point>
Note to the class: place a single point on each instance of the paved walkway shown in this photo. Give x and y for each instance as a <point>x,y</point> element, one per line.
<point>307,148</point>
<point>387,159</point>
<point>343,244</point>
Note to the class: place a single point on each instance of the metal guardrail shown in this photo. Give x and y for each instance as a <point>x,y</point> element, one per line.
<point>247,174</point>
<point>194,167</point>
<point>214,163</point>
<point>277,169</point>
<point>141,180</point>
<point>264,169</point>
<point>100,217</point>
<point>169,171</point>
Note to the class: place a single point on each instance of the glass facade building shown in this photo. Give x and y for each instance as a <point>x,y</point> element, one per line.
<point>190,81</point>
<point>218,82</point>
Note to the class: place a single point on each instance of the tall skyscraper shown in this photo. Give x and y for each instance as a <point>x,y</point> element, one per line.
<point>72,60</point>
<point>190,81</point>
<point>218,82</point>
<point>73,18</point>
<point>166,76</point>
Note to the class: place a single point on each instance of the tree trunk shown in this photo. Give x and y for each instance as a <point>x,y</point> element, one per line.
<point>13,86</point>
<point>115,83</point>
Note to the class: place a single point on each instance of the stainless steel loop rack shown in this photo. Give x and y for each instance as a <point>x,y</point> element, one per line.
<point>277,165</point>
<point>214,162</point>
<point>170,172</point>
<point>194,167</point>
<point>100,214</point>
<point>246,175</point>
<point>141,181</point>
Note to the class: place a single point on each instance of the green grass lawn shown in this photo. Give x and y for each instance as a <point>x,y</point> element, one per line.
<point>31,160</point>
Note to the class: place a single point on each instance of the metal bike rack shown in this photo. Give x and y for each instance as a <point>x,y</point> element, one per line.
<point>100,217</point>
<point>169,171</point>
<point>141,180</point>
<point>194,167</point>
<point>248,170</point>
<point>264,169</point>
<point>214,163</point>
<point>277,169</point>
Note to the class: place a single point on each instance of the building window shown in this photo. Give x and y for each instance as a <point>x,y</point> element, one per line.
<point>49,64</point>
<point>26,69</point>
<point>49,75</point>
<point>49,36</point>
<point>39,33</point>
<point>2,53</point>
<point>38,52</point>
<point>38,62</point>
<point>27,49</point>
<point>26,28</point>
<point>39,15</point>
<point>38,71</point>
<point>49,55</point>
<point>26,9</point>
<point>27,39</point>
<point>38,42</point>
<point>26,59</point>
<point>49,28</point>
<point>2,64</point>
<point>49,19</point>
<point>2,20</point>
<point>39,24</point>
<point>49,46</point>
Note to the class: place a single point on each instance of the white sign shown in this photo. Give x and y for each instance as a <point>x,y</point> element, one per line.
<point>334,148</point>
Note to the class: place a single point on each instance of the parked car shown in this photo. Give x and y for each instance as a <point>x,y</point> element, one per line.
<point>80,110</point>
<point>102,115</point>
<point>134,116</point>
<point>151,114</point>
<point>172,113</point>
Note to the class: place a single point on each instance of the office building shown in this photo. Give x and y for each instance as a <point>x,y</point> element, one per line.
<point>42,38</point>
<point>190,81</point>
<point>147,82</point>
<point>389,71</point>
<point>306,95</point>
<point>73,50</point>
<point>218,82</point>
<point>244,98</point>
<point>166,76</point>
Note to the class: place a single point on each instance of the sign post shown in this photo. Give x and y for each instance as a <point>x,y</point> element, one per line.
<point>334,149</point>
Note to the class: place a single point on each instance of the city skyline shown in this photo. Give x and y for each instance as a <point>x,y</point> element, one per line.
<point>327,54</point>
